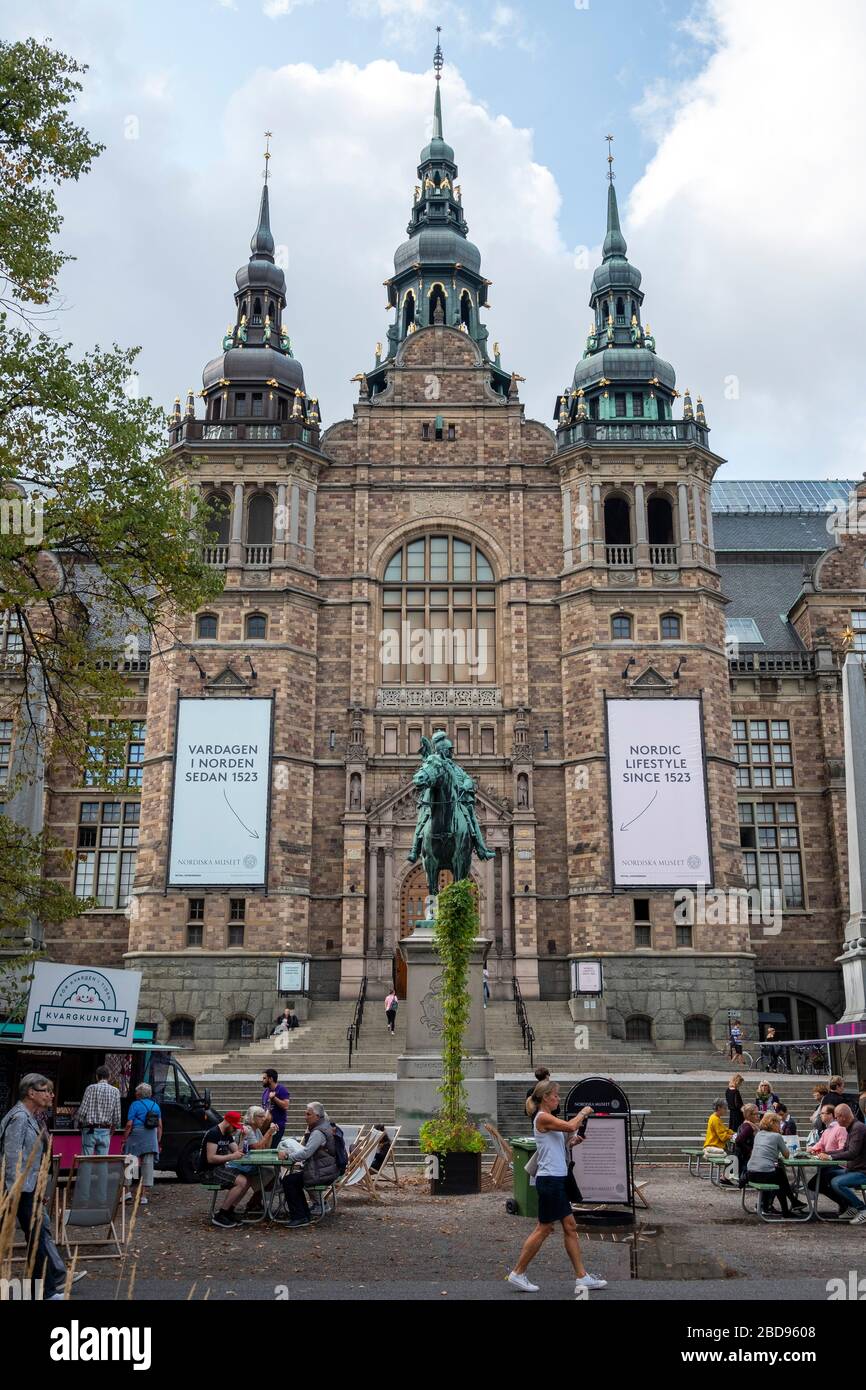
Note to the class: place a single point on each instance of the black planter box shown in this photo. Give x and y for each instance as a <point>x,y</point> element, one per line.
<point>459,1174</point>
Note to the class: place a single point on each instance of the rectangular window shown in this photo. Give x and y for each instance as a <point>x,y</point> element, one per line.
<point>115,754</point>
<point>641,909</point>
<point>684,935</point>
<point>389,740</point>
<point>107,842</point>
<point>619,403</point>
<point>858,624</point>
<point>195,934</point>
<point>637,404</point>
<point>258,404</point>
<point>452,433</point>
<point>463,742</point>
<point>413,739</point>
<point>488,740</point>
<point>5,750</point>
<point>643,934</point>
<point>764,752</point>
<point>425,431</point>
<point>195,911</point>
<point>236,934</point>
<point>237,909</point>
<point>770,838</point>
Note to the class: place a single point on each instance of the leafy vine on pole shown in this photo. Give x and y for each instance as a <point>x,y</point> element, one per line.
<point>456,927</point>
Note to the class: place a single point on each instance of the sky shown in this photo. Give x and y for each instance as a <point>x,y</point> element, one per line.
<point>739,131</point>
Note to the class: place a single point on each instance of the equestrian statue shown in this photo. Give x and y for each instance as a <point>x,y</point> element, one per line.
<point>447,830</point>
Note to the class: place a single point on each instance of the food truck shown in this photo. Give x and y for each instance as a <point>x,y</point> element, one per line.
<point>78,1019</point>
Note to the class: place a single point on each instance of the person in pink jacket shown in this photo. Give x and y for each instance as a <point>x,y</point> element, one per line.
<point>832,1138</point>
<point>391,1010</point>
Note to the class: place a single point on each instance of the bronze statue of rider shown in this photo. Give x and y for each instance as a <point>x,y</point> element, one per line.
<point>464,789</point>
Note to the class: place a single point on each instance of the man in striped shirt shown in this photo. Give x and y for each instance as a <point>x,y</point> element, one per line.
<point>99,1114</point>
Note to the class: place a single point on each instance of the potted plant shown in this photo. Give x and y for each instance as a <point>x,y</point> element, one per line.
<point>450,1137</point>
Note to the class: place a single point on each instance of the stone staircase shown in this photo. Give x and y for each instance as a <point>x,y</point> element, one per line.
<point>319,1046</point>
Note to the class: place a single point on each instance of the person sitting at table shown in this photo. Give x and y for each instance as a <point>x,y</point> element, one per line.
<point>832,1138</point>
<point>744,1139</point>
<point>765,1097</point>
<point>318,1164</point>
<point>258,1133</point>
<point>819,1095</point>
<point>718,1134</point>
<point>843,1185</point>
<point>788,1123</point>
<point>837,1095</point>
<point>219,1147</point>
<point>765,1164</point>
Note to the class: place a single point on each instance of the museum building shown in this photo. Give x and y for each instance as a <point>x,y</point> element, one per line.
<point>565,567</point>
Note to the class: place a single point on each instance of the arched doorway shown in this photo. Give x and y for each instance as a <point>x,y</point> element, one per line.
<point>412,896</point>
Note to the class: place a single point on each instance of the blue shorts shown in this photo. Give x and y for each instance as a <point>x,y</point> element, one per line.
<point>553,1203</point>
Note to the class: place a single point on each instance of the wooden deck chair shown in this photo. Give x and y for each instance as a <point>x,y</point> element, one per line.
<point>91,1200</point>
<point>504,1160</point>
<point>358,1173</point>
<point>379,1174</point>
<point>351,1134</point>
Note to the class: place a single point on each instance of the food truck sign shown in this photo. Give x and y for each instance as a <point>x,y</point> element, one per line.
<point>81,1006</point>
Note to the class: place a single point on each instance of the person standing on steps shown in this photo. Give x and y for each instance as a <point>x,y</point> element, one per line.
<point>391,1010</point>
<point>551,1172</point>
<point>275,1099</point>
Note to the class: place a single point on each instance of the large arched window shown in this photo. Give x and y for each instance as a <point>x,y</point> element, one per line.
<point>241,1029</point>
<point>439,614</point>
<point>217,523</point>
<point>670,627</point>
<point>181,1030</point>
<point>260,519</point>
<point>466,309</point>
<point>437,304</point>
<point>697,1029</point>
<point>617,521</point>
<point>206,627</point>
<point>408,311</point>
<point>638,1028</point>
<point>660,521</point>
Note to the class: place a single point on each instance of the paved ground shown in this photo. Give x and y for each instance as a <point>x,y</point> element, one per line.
<point>694,1243</point>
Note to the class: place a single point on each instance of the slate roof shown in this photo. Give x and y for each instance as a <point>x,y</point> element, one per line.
<point>801,533</point>
<point>765,592</point>
<point>772,495</point>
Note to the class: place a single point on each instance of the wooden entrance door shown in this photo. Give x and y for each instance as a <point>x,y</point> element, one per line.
<point>412,898</point>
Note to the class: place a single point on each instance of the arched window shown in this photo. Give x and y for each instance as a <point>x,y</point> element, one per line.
<point>671,627</point>
<point>257,627</point>
<point>633,309</point>
<point>660,521</point>
<point>181,1030</point>
<point>466,308</point>
<point>621,627</point>
<point>408,311</point>
<point>217,520</point>
<point>206,627</point>
<point>439,614</point>
<point>698,1029</point>
<point>260,519</point>
<point>257,312</point>
<point>617,521</point>
<point>620,309</point>
<point>638,1028</point>
<point>437,304</point>
<point>241,1029</point>
<point>216,407</point>
<point>272,312</point>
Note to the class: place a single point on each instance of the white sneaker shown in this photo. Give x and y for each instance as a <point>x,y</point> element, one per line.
<point>589,1281</point>
<point>858,1219</point>
<point>520,1281</point>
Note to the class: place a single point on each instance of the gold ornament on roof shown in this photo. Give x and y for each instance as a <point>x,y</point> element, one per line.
<point>848,638</point>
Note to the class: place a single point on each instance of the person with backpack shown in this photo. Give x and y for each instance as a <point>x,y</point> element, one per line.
<point>391,1010</point>
<point>315,1166</point>
<point>142,1137</point>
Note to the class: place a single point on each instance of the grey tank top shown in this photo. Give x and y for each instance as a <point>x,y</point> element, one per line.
<point>550,1146</point>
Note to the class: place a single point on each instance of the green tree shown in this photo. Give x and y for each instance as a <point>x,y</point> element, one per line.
<point>99,544</point>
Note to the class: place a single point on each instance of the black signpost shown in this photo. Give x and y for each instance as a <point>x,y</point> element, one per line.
<point>613,1204</point>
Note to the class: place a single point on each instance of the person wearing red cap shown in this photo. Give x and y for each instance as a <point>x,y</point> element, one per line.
<point>219,1147</point>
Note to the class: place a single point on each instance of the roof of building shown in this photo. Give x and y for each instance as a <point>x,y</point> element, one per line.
<point>769,532</point>
<point>765,593</point>
<point>769,495</point>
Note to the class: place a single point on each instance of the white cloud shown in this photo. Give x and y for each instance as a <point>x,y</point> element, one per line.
<point>278,9</point>
<point>750,227</point>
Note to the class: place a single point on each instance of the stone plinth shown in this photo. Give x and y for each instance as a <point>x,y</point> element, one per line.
<point>419,1068</point>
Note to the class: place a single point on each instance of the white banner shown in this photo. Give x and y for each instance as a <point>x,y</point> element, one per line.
<point>658,803</point>
<point>82,1006</point>
<point>601,1161</point>
<point>219,826</point>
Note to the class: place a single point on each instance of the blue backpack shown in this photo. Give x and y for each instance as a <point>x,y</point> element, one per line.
<point>341,1153</point>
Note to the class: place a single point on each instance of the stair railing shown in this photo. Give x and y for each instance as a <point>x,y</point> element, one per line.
<point>353,1032</point>
<point>526,1030</point>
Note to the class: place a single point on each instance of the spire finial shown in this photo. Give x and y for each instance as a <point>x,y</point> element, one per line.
<point>610,174</point>
<point>438,64</point>
<point>267,155</point>
<point>438,60</point>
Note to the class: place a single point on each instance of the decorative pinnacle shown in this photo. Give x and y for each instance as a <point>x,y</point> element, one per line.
<point>267,155</point>
<point>610,174</point>
<point>438,60</point>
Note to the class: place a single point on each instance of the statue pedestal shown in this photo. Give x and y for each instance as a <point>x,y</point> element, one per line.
<point>419,1069</point>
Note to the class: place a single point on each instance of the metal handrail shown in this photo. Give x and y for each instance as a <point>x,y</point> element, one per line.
<point>527,1032</point>
<point>353,1032</point>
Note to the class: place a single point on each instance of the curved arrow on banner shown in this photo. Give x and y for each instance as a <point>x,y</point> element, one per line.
<point>631,822</point>
<point>253,833</point>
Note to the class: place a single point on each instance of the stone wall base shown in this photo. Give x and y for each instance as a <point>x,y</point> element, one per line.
<point>417,1098</point>
<point>671,988</point>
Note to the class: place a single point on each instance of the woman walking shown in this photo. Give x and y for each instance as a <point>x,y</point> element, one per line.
<point>391,1010</point>
<point>734,1101</point>
<point>551,1135</point>
<point>142,1137</point>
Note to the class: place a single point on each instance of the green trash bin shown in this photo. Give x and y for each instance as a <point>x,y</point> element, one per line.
<point>525,1199</point>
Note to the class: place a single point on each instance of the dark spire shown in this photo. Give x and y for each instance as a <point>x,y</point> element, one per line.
<point>262,242</point>
<point>614,242</point>
<point>438,64</point>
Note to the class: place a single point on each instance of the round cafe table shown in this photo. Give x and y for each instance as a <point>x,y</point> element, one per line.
<point>800,1164</point>
<point>263,1160</point>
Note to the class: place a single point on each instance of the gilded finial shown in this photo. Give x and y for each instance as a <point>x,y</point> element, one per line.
<point>438,59</point>
<point>610,174</point>
<point>848,639</point>
<point>267,155</point>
